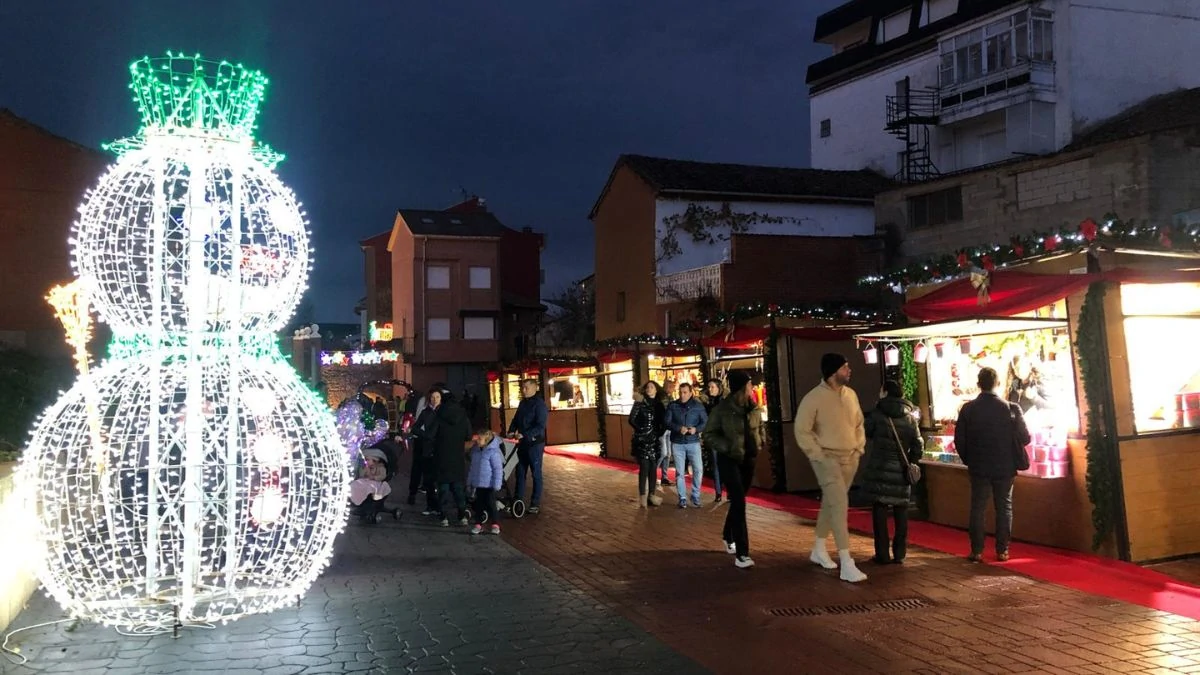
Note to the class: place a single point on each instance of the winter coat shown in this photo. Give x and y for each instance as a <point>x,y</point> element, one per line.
<point>735,431</point>
<point>649,424</point>
<point>451,434</point>
<point>885,478</point>
<point>423,430</point>
<point>690,414</point>
<point>487,466</point>
<point>530,421</point>
<point>986,435</point>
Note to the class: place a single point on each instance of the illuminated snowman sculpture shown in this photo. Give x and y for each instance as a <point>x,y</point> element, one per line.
<point>191,477</point>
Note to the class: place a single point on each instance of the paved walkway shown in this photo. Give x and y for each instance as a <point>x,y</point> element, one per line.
<point>622,590</point>
<point>399,597</point>
<point>664,568</point>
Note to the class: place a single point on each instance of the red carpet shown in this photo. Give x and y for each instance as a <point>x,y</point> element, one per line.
<point>1092,574</point>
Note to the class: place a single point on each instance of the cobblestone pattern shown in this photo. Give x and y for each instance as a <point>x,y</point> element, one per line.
<point>399,598</point>
<point>664,568</point>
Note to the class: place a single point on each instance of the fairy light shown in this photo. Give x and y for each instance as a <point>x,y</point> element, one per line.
<point>225,483</point>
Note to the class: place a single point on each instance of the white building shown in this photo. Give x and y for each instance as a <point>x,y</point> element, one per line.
<point>918,88</point>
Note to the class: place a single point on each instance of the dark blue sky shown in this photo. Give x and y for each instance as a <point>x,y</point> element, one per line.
<point>381,104</point>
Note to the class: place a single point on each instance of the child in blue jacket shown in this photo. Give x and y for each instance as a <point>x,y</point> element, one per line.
<point>485,476</point>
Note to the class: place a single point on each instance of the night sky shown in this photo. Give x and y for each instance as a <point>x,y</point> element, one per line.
<point>382,104</point>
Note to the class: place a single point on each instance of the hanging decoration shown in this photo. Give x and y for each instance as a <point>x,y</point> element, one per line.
<point>1101,449</point>
<point>870,354</point>
<point>1109,231</point>
<point>981,281</point>
<point>834,312</point>
<point>645,339</point>
<point>891,356</point>
<point>191,477</point>
<point>920,352</point>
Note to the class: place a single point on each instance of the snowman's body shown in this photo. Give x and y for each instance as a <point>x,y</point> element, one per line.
<point>192,477</point>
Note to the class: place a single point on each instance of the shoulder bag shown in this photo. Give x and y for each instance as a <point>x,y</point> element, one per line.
<point>911,471</point>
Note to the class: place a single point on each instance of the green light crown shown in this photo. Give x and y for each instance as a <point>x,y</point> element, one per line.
<point>178,92</point>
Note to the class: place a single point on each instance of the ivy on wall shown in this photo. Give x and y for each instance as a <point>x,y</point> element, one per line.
<point>707,225</point>
<point>1101,450</point>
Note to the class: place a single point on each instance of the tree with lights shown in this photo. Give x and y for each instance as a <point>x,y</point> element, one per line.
<point>191,477</point>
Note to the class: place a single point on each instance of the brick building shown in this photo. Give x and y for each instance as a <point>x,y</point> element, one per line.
<point>42,180</point>
<point>792,235</point>
<point>1141,164</point>
<point>465,294</point>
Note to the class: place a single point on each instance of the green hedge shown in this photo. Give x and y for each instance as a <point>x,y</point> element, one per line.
<point>28,384</point>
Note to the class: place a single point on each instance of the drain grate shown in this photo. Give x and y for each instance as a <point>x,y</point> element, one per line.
<point>902,605</point>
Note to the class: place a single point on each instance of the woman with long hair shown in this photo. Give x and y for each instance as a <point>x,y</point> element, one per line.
<point>648,419</point>
<point>735,432</point>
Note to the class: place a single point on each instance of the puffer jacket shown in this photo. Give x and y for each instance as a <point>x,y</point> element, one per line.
<point>487,466</point>
<point>735,431</point>
<point>884,476</point>
<point>649,424</point>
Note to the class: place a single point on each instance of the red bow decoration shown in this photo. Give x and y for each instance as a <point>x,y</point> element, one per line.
<point>981,282</point>
<point>962,260</point>
<point>1088,229</point>
<point>1018,249</point>
<point>1051,243</point>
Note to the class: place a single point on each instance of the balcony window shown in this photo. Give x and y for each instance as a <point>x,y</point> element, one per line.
<point>1027,35</point>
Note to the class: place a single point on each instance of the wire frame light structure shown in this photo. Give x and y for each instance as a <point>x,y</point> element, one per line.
<point>192,477</point>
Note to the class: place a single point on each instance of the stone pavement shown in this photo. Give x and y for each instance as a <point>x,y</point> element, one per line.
<point>664,569</point>
<point>399,597</point>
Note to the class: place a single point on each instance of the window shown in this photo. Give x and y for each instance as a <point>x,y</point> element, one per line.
<point>621,306</point>
<point>997,46</point>
<point>439,329</point>
<point>826,128</point>
<point>895,25</point>
<point>935,208</point>
<point>1162,321</point>
<point>479,328</point>
<point>437,276</point>
<point>481,277</point>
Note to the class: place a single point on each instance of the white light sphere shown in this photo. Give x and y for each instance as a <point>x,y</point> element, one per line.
<point>164,215</point>
<point>267,494</point>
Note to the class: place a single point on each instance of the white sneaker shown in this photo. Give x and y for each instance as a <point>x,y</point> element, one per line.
<point>477,529</point>
<point>731,549</point>
<point>445,523</point>
<point>743,561</point>
<point>851,573</point>
<point>822,558</point>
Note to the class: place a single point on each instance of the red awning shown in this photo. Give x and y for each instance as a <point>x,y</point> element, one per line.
<point>1011,293</point>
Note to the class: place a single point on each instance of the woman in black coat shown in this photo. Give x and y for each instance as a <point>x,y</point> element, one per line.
<point>450,457</point>
<point>891,429</point>
<point>649,421</point>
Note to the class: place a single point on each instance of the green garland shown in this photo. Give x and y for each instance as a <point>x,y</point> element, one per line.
<point>648,339</point>
<point>774,411</point>
<point>1101,451</point>
<point>1022,248</point>
<point>908,371</point>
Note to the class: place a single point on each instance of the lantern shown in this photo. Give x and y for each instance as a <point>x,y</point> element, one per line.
<point>964,345</point>
<point>891,356</point>
<point>870,355</point>
<point>920,353</point>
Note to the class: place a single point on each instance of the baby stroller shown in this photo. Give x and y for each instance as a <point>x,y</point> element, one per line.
<point>370,490</point>
<point>513,506</point>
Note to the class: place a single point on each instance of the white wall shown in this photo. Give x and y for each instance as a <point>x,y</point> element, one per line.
<point>857,111</point>
<point>1121,52</point>
<point>816,220</point>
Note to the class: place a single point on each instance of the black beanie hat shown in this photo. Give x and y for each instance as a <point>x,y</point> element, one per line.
<point>737,380</point>
<point>830,364</point>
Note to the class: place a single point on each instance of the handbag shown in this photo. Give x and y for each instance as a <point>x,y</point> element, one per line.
<point>911,471</point>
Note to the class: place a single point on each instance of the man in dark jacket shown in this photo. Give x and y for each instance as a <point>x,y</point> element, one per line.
<point>529,428</point>
<point>451,437</point>
<point>989,434</point>
<point>423,432</point>
<point>686,418</point>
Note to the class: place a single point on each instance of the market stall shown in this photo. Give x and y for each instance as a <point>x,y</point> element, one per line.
<point>569,387</point>
<point>1099,325</point>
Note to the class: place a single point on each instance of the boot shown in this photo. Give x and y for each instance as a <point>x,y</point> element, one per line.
<point>641,501</point>
<point>850,571</point>
<point>820,555</point>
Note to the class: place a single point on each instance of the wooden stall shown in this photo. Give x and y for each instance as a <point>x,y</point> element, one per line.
<point>568,385</point>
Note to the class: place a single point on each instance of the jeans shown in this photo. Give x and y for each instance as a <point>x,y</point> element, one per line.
<point>529,457</point>
<point>999,490</point>
<point>835,473</point>
<point>688,453</point>
<point>716,468</point>
<point>647,475</point>
<point>879,523</point>
<point>485,503</point>
<point>668,450</point>
<point>458,493</point>
<point>735,531</point>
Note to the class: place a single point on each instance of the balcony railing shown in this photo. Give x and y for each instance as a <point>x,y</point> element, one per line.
<point>689,285</point>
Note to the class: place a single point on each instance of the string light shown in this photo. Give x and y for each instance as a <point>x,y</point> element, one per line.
<point>216,484</point>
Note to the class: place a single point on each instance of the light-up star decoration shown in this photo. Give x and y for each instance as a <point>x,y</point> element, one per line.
<point>191,477</point>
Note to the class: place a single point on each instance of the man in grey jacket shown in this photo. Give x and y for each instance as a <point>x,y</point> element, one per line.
<point>988,436</point>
